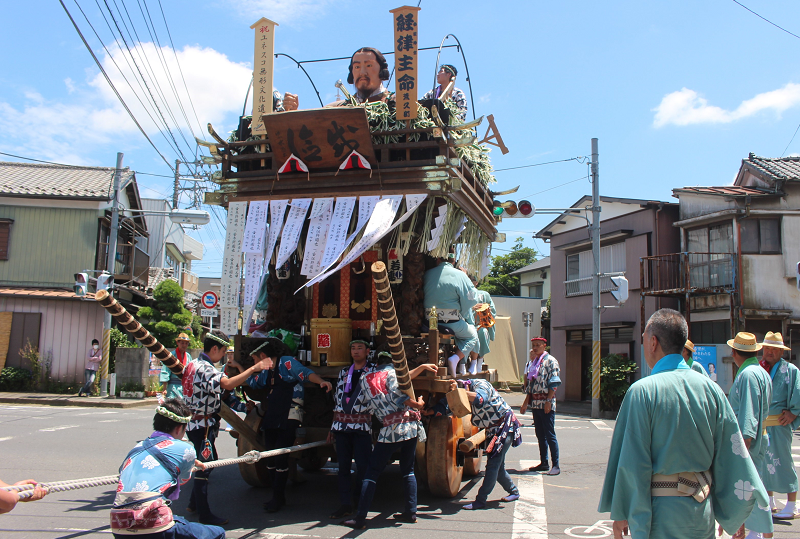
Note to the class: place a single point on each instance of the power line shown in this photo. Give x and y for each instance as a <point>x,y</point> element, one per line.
<point>125,78</point>
<point>108,79</point>
<point>790,142</point>
<point>580,159</point>
<point>77,166</point>
<point>556,186</point>
<point>767,20</point>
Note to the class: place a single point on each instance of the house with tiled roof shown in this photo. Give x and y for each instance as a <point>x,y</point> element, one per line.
<point>55,222</point>
<point>738,260</point>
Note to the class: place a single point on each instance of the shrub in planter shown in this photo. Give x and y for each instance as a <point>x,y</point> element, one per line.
<point>15,379</point>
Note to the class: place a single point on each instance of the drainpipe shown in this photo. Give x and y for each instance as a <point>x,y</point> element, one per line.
<point>658,243</point>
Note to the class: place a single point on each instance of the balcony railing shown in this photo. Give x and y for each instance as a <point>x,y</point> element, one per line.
<point>583,286</point>
<point>131,264</point>
<point>679,273</point>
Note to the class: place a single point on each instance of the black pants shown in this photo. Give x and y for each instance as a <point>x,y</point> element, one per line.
<point>352,445</point>
<point>277,439</point>
<point>199,497</point>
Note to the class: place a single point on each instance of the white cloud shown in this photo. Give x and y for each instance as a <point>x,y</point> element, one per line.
<point>63,129</point>
<point>687,107</point>
<point>283,12</point>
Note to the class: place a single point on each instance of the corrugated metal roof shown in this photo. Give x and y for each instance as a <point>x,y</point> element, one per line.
<point>58,181</point>
<point>728,191</point>
<point>781,168</point>
<point>41,293</point>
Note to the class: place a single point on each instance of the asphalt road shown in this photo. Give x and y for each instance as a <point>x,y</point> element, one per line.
<point>58,443</point>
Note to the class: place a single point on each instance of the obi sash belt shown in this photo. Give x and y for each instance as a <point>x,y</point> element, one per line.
<point>694,484</point>
<point>403,416</point>
<point>508,426</point>
<point>145,512</point>
<point>351,419</point>
<point>772,421</point>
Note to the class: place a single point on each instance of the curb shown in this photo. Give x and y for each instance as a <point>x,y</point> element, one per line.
<point>88,402</point>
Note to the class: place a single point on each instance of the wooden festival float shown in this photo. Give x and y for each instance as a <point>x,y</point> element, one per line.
<point>321,199</point>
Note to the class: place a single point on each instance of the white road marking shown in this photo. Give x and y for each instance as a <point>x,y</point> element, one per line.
<point>97,413</point>
<point>600,424</point>
<point>110,421</point>
<point>6,438</point>
<point>601,528</point>
<point>530,516</point>
<point>60,427</point>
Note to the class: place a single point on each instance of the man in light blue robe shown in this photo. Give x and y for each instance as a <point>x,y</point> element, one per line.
<point>677,461</point>
<point>687,353</point>
<point>750,396</point>
<point>451,292</point>
<point>778,472</point>
<point>485,335</point>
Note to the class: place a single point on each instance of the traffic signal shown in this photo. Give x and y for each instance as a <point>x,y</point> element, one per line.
<point>81,284</point>
<point>621,293</point>
<point>105,281</point>
<point>509,208</point>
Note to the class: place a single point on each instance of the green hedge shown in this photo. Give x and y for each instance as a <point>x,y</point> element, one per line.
<point>15,379</point>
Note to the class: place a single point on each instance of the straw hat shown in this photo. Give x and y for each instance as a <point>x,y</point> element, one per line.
<point>183,337</point>
<point>689,346</point>
<point>775,340</point>
<point>745,342</point>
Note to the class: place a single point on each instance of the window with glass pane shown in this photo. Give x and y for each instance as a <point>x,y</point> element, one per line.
<point>748,234</point>
<point>536,290</point>
<point>770,235</point>
<point>573,267</point>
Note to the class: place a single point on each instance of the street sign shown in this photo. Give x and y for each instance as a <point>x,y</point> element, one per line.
<point>209,300</point>
<point>209,313</point>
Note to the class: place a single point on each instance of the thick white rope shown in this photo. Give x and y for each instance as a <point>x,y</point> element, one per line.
<point>251,457</point>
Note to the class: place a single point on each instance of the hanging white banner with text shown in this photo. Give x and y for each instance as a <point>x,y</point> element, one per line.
<point>365,207</point>
<point>277,209</point>
<point>253,264</point>
<point>256,227</point>
<point>230,282</point>
<point>292,229</point>
<point>317,235</point>
<point>337,231</point>
<point>380,224</point>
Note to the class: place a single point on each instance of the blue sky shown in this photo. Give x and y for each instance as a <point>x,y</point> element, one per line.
<point>677,92</point>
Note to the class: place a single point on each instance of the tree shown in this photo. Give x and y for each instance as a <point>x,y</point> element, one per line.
<point>500,282</point>
<point>169,317</point>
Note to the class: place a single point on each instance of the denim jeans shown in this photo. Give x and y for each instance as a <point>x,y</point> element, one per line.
<point>88,380</point>
<point>352,445</point>
<point>545,426</point>
<point>377,463</point>
<point>182,530</point>
<point>496,473</point>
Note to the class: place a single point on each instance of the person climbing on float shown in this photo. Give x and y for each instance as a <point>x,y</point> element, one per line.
<point>451,292</point>
<point>283,377</point>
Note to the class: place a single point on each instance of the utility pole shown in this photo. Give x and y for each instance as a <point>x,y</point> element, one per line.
<point>111,265</point>
<point>176,187</point>
<point>595,282</point>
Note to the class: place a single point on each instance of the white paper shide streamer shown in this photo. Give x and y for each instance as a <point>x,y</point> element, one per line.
<point>316,237</point>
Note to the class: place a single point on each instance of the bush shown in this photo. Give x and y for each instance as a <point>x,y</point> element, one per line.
<point>15,379</point>
<point>615,379</point>
<point>168,317</point>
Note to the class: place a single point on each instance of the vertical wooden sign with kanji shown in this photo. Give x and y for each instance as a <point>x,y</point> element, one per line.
<point>263,61</point>
<point>404,20</point>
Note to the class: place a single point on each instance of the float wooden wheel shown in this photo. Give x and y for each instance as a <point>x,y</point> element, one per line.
<point>253,474</point>
<point>444,473</point>
<point>421,464</point>
<point>472,465</point>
